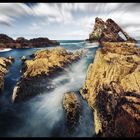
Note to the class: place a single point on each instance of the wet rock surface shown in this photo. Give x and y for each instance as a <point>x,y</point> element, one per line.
<point>72,108</point>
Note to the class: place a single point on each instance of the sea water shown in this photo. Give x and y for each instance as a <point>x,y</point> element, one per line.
<point>43,115</point>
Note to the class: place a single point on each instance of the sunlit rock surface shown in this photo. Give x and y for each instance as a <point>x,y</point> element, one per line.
<point>112,89</point>
<point>72,107</point>
<point>38,72</point>
<point>108,31</point>
<point>4,65</point>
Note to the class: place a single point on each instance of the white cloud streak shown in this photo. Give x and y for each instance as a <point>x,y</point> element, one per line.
<point>74,14</point>
<point>9,11</point>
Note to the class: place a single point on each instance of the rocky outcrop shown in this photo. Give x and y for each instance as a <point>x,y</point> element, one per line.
<point>5,39</point>
<point>4,64</point>
<point>22,42</point>
<point>72,108</point>
<point>112,89</point>
<point>108,31</point>
<point>7,42</point>
<point>98,29</point>
<point>38,72</point>
<point>42,42</point>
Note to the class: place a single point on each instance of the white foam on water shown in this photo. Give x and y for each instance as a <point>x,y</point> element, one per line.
<point>91,45</point>
<point>46,110</point>
<point>5,50</point>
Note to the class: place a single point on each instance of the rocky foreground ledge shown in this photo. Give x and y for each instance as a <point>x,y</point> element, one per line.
<point>112,85</point>
<point>38,72</point>
<point>4,65</point>
<point>21,42</point>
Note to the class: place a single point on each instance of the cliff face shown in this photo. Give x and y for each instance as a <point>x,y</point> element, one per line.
<point>4,64</point>
<point>112,88</point>
<point>38,72</point>
<point>108,31</point>
<point>7,42</point>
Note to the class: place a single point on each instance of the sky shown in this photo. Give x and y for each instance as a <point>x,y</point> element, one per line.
<point>65,21</point>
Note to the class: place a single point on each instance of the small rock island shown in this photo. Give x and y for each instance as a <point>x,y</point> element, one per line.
<point>72,107</point>
<point>21,42</point>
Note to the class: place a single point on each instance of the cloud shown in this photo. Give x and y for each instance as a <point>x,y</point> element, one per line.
<point>73,16</point>
<point>5,20</point>
<point>126,15</point>
<point>55,12</point>
<point>75,33</point>
<point>9,11</point>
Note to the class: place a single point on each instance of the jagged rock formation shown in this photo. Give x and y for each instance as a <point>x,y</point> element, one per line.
<point>38,72</point>
<point>4,64</point>
<point>108,31</point>
<point>98,29</point>
<point>8,42</point>
<point>72,108</point>
<point>112,89</point>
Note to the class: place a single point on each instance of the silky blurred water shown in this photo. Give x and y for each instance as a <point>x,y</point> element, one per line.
<point>43,115</point>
